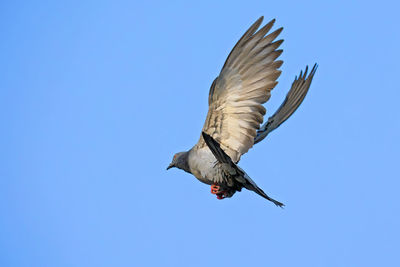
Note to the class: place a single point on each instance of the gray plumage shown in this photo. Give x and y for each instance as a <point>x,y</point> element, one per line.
<point>236,112</point>
<point>292,101</point>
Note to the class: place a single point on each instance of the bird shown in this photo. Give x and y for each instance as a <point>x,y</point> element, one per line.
<point>235,117</point>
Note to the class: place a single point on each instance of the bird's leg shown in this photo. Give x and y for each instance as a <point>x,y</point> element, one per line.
<point>220,196</point>
<point>216,190</point>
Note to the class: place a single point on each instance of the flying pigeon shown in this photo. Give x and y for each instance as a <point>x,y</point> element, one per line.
<point>235,114</point>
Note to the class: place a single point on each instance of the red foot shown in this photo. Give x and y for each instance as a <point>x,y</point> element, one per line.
<point>220,196</point>
<point>215,189</point>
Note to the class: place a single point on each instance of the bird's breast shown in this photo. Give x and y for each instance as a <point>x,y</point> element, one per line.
<point>202,165</point>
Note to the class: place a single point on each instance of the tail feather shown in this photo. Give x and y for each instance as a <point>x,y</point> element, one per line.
<point>262,193</point>
<point>251,185</point>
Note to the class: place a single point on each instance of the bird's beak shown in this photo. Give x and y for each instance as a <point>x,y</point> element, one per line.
<point>170,166</point>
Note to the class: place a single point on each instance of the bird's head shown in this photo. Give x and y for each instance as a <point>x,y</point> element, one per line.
<point>180,160</point>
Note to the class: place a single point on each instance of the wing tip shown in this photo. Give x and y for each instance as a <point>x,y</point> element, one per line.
<point>258,22</point>
<point>314,69</point>
<point>312,72</point>
<point>303,76</point>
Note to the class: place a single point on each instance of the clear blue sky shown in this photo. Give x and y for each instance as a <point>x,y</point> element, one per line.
<point>96,97</point>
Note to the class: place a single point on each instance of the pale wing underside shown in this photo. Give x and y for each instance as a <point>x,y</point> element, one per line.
<point>236,96</point>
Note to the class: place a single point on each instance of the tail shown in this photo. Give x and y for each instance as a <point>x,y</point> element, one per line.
<point>251,185</point>
<point>262,193</point>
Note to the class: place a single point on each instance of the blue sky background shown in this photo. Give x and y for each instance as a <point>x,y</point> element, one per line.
<point>96,97</point>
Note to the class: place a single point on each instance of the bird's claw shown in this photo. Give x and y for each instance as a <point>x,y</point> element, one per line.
<point>216,190</point>
<point>221,196</point>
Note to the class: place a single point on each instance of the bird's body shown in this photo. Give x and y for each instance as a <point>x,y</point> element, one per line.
<point>226,177</point>
<point>201,165</point>
<point>235,116</point>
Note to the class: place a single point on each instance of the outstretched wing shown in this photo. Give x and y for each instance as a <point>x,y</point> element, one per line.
<point>292,101</point>
<point>236,96</point>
